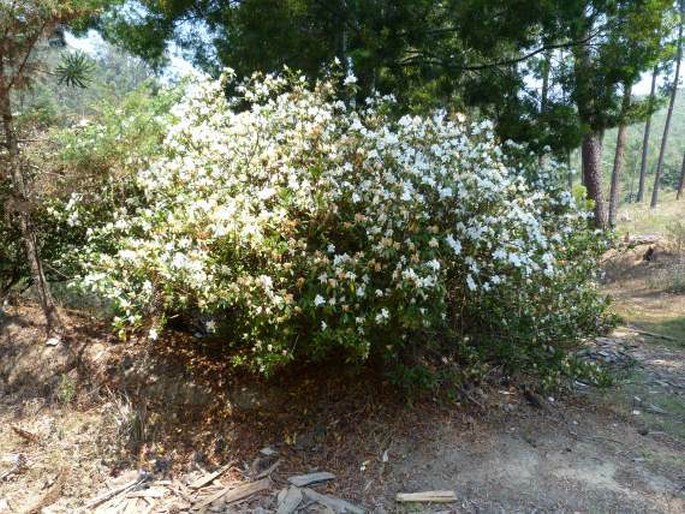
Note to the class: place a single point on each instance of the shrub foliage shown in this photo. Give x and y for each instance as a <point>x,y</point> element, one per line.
<point>304,226</point>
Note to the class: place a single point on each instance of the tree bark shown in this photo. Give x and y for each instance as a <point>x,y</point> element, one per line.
<point>645,140</point>
<point>618,157</point>
<point>681,182</point>
<point>669,115</point>
<point>20,201</point>
<point>592,174</point>
<point>588,114</point>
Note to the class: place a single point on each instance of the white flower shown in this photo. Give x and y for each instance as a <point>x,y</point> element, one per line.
<point>470,283</point>
<point>433,264</point>
<point>382,316</point>
<point>319,300</point>
<point>153,334</point>
<point>454,244</point>
<point>350,79</point>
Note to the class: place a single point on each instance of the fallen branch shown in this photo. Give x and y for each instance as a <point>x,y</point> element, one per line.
<point>25,434</point>
<point>652,334</point>
<point>208,479</point>
<point>267,472</point>
<point>152,492</point>
<point>114,492</point>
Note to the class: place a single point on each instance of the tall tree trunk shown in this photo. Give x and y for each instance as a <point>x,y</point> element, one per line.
<point>592,174</point>
<point>20,206</point>
<point>681,182</point>
<point>618,157</point>
<point>645,141</point>
<point>591,152</point>
<point>669,115</point>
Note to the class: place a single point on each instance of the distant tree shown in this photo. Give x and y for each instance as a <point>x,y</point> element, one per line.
<point>681,180</point>
<point>456,53</point>
<point>24,27</point>
<point>671,104</point>
<point>645,139</point>
<point>621,140</point>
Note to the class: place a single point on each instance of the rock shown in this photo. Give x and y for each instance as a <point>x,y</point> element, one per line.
<point>53,341</point>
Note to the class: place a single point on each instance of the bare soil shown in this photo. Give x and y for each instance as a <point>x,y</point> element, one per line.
<point>81,418</point>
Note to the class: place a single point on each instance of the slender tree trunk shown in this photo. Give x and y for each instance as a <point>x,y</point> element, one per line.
<point>681,182</point>
<point>592,174</point>
<point>669,115</point>
<point>645,141</point>
<point>570,171</point>
<point>547,68</point>
<point>542,159</point>
<point>20,206</point>
<point>618,157</point>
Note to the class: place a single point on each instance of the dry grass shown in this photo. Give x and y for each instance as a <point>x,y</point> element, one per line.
<point>636,218</point>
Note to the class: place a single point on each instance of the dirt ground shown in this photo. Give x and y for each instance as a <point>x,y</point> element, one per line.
<point>93,414</point>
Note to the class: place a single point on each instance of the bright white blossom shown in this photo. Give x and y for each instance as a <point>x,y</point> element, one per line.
<point>287,205</point>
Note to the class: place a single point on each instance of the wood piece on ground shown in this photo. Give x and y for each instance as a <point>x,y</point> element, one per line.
<point>311,478</point>
<point>288,503</point>
<point>132,506</point>
<point>25,434</point>
<point>652,334</point>
<point>231,495</point>
<point>114,492</point>
<point>180,490</point>
<point>427,497</point>
<point>268,452</point>
<point>19,466</point>
<point>335,504</point>
<point>150,492</point>
<point>267,472</point>
<point>208,479</point>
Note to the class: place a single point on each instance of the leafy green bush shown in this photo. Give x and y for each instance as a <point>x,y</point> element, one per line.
<point>310,229</point>
<point>78,178</point>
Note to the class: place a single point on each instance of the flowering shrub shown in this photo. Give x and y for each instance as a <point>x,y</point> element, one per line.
<point>306,227</point>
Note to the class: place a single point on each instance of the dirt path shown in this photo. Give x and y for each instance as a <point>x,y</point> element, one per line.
<point>603,452</point>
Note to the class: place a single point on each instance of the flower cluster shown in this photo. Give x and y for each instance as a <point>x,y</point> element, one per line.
<point>311,226</point>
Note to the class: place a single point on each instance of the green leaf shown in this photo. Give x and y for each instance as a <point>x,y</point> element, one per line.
<point>75,69</point>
